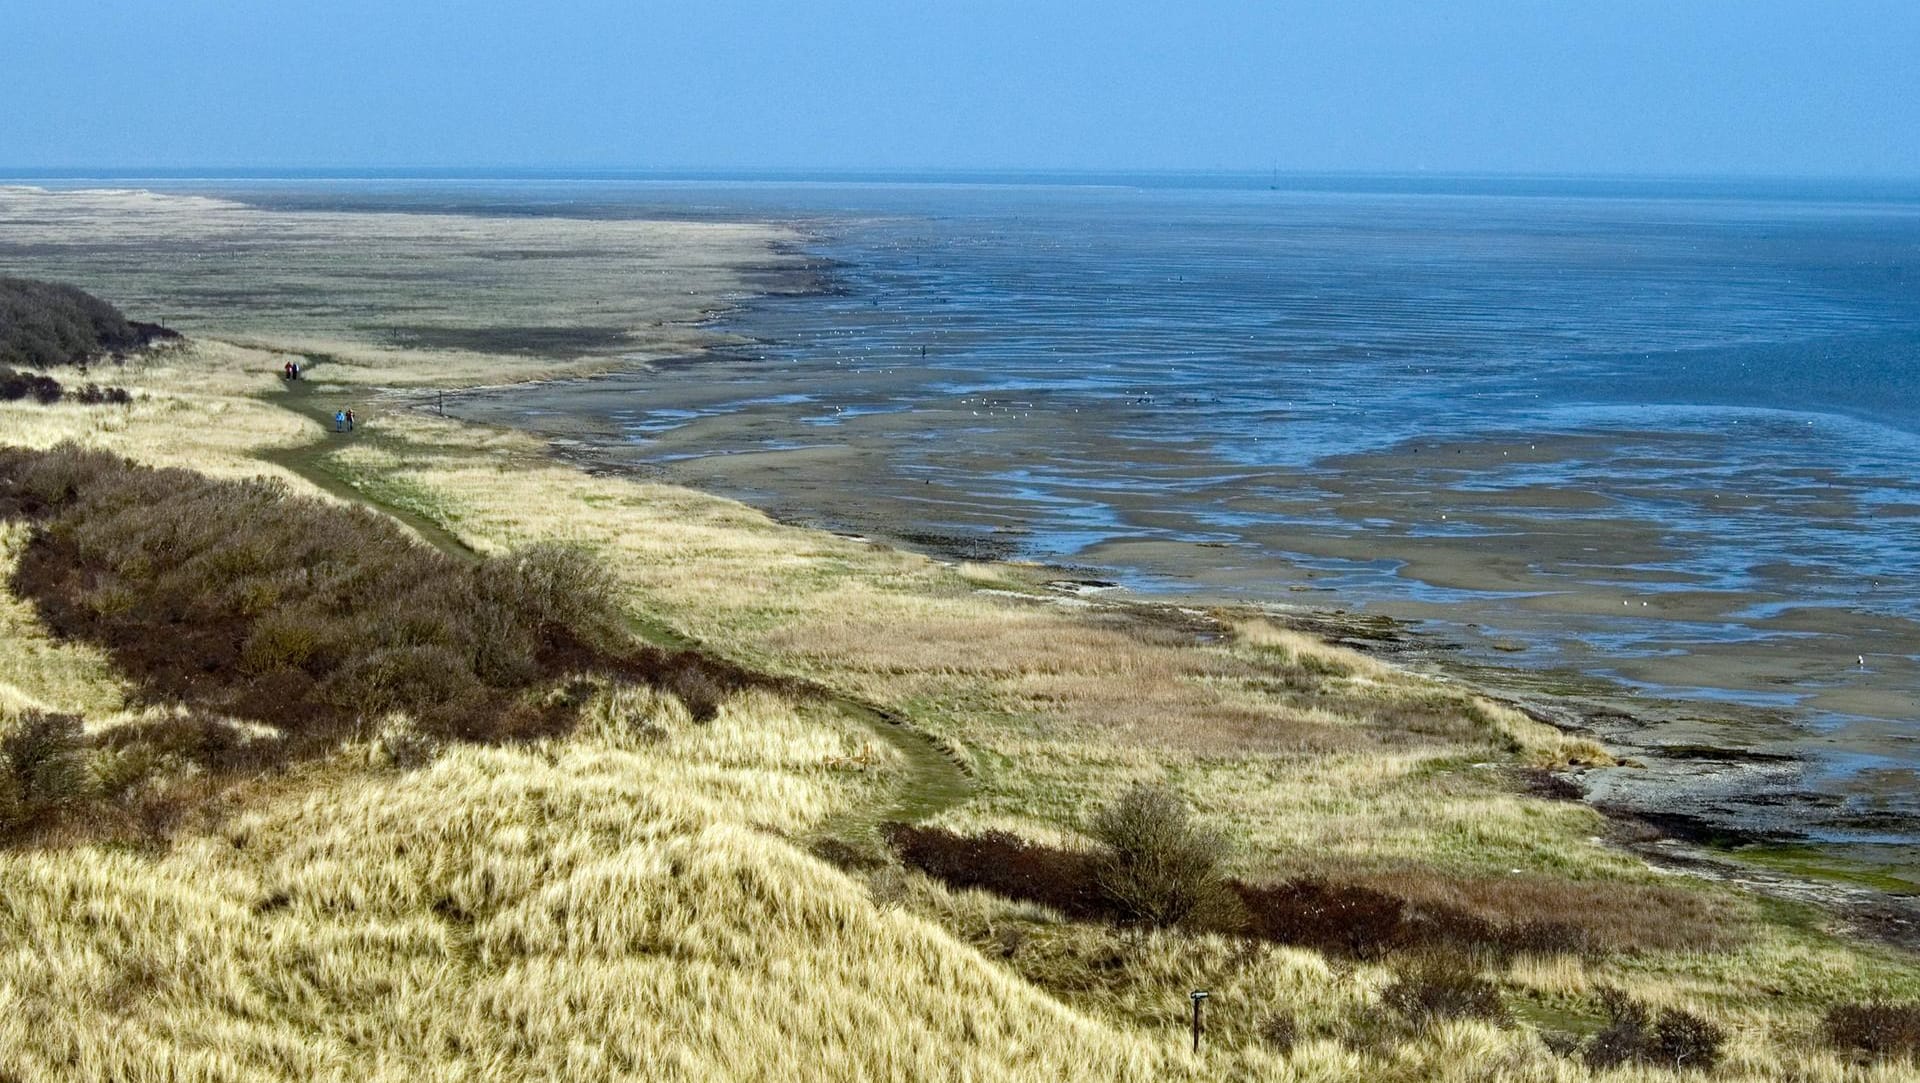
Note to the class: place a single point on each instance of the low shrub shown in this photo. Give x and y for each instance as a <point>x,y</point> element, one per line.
<point>244,599</point>
<point>549,583</point>
<point>43,756</point>
<point>1438,988</point>
<point>1005,864</point>
<point>46,390</point>
<point>239,599</point>
<point>95,395</point>
<point>1343,919</point>
<point>43,766</point>
<point>1883,1030</point>
<point>210,744</point>
<point>1685,1041</point>
<point>399,745</point>
<point>700,688</point>
<point>1156,865</point>
<point>15,386</point>
<point>1279,1032</point>
<point>1676,1039</point>
<point>848,855</point>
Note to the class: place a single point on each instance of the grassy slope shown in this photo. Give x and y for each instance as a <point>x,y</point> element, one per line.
<point>598,909</point>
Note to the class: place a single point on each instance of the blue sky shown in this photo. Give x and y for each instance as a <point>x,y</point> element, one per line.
<point>1612,86</point>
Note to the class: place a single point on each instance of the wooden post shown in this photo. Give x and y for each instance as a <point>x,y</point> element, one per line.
<point>1196,996</point>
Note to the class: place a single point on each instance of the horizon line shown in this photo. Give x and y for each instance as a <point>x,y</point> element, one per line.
<point>509,172</point>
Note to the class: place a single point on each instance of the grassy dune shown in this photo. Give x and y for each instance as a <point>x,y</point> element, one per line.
<point>641,897</point>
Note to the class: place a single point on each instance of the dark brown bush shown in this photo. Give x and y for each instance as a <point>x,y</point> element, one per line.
<point>1339,918</point>
<point>95,395</point>
<point>245,599</point>
<point>700,688</point>
<point>1675,1039</point>
<point>1279,1032</point>
<point>1005,864</point>
<point>1356,919</point>
<point>1367,922</point>
<point>1544,914</point>
<point>43,767</point>
<point>15,386</point>
<point>1440,987</point>
<point>1884,1030</point>
<point>46,323</point>
<point>46,390</point>
<point>1625,1038</point>
<point>1685,1041</point>
<point>1156,865</point>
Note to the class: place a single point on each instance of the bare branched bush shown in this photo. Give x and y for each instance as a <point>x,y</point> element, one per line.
<point>1883,1030</point>
<point>550,583</point>
<point>1280,1032</point>
<point>1005,864</point>
<point>1675,1038</point>
<point>43,757</point>
<point>1442,987</point>
<point>249,600</point>
<point>398,744</point>
<point>1157,865</point>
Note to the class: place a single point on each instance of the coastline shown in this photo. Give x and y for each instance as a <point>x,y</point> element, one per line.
<point>1734,780</point>
<point>1687,795</point>
<point>1048,694</point>
<point>1708,781</point>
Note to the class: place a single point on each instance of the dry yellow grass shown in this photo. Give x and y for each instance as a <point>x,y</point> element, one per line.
<point>573,912</point>
<point>196,406</point>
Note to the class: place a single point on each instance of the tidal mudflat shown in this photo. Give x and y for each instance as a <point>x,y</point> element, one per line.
<point>1665,442</point>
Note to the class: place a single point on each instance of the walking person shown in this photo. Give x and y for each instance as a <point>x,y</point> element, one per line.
<point>349,419</point>
<point>339,421</point>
